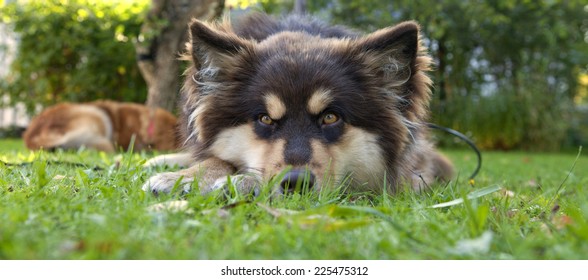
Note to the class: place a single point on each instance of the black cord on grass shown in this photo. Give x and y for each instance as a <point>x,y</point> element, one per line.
<point>465,139</point>
<point>54,162</point>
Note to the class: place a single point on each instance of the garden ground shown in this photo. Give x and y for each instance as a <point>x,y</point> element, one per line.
<point>89,205</point>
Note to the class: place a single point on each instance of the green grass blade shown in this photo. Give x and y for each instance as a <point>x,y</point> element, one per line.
<point>566,178</point>
<point>473,195</point>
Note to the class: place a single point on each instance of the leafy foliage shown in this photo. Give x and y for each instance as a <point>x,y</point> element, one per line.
<point>508,72</point>
<point>74,50</point>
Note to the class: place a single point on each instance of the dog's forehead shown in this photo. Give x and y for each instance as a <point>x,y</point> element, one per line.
<point>301,42</point>
<point>297,53</point>
<point>314,103</point>
<point>299,72</point>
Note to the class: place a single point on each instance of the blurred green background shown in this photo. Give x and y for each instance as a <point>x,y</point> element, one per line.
<point>509,74</point>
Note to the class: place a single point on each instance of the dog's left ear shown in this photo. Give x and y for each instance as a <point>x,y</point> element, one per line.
<point>394,50</point>
<point>396,56</point>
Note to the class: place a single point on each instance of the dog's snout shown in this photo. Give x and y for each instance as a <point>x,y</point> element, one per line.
<point>297,151</point>
<point>297,180</point>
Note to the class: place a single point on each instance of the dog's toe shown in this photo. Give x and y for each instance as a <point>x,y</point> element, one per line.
<point>165,182</point>
<point>243,184</point>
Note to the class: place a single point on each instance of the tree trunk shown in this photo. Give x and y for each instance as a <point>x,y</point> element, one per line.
<point>162,39</point>
<point>300,7</point>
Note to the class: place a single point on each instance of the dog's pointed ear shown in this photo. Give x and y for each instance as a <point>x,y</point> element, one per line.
<point>214,45</point>
<point>394,50</point>
<point>396,56</point>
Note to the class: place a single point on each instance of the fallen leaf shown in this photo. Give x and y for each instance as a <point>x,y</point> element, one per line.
<point>562,221</point>
<point>192,223</point>
<point>512,212</point>
<point>480,245</point>
<point>506,193</point>
<point>533,183</point>
<point>61,177</point>
<point>97,218</point>
<point>276,212</point>
<point>327,223</point>
<point>69,246</point>
<point>221,213</point>
<point>329,218</point>
<point>173,206</point>
<point>556,223</point>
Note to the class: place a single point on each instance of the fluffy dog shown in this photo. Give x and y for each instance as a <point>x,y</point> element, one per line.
<point>318,105</point>
<point>102,125</point>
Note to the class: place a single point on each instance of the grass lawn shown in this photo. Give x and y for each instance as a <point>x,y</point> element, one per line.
<point>529,208</point>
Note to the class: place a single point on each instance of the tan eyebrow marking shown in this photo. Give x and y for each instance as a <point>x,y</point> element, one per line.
<point>275,107</point>
<point>319,101</point>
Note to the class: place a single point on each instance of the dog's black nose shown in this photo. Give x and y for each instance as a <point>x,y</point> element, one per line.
<point>297,180</point>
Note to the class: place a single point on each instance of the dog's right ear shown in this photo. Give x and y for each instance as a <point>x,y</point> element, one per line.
<point>214,46</point>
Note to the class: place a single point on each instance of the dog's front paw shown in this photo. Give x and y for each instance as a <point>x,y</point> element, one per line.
<point>179,159</point>
<point>243,184</point>
<point>165,182</point>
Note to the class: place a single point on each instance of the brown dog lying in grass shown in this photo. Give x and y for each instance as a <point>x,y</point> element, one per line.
<point>102,125</point>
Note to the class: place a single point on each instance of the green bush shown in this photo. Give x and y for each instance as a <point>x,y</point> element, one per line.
<point>509,120</point>
<point>74,50</point>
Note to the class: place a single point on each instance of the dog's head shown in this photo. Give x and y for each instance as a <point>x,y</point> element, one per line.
<point>326,108</point>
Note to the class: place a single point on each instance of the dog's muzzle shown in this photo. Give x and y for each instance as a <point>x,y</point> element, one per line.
<point>297,180</point>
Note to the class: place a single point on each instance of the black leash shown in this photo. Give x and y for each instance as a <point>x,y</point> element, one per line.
<point>465,139</point>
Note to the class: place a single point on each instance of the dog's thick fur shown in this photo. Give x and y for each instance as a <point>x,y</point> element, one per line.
<point>102,125</point>
<point>333,105</point>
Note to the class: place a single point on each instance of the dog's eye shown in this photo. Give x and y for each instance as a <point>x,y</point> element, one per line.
<point>330,118</point>
<point>265,119</point>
